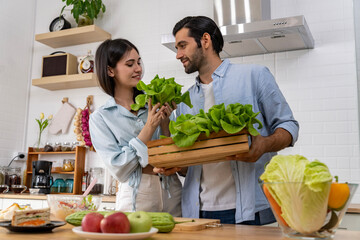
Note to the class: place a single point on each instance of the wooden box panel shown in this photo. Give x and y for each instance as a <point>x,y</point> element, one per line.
<point>215,148</point>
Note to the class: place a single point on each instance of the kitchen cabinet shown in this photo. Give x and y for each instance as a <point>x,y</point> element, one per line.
<point>78,168</point>
<point>70,37</point>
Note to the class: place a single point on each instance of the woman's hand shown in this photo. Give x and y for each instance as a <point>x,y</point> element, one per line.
<point>155,116</point>
<point>167,171</point>
<point>165,122</point>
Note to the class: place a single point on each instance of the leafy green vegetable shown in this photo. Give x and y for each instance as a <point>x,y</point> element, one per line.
<point>232,119</point>
<point>160,90</point>
<point>301,188</point>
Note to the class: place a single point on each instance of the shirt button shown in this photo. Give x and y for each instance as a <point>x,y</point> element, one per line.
<point>202,95</point>
<point>197,204</point>
<point>139,120</point>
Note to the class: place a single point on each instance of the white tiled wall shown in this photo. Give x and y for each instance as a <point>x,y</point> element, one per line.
<point>16,40</point>
<point>320,84</point>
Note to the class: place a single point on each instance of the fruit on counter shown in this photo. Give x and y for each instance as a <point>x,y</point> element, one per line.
<point>115,223</point>
<point>77,217</point>
<point>91,222</point>
<point>140,221</point>
<point>163,221</point>
<point>339,195</point>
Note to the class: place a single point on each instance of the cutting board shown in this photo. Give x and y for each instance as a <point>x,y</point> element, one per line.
<point>199,224</point>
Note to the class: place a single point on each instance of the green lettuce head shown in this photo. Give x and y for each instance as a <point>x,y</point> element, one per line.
<point>301,188</point>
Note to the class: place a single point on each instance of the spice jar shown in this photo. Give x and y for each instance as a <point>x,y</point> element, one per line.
<point>57,147</point>
<point>2,175</point>
<point>68,165</point>
<point>99,186</point>
<point>48,147</point>
<point>66,147</point>
<point>74,145</point>
<point>13,176</point>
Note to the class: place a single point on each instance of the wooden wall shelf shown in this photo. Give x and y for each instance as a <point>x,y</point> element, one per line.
<point>78,172</point>
<point>62,82</point>
<point>73,36</point>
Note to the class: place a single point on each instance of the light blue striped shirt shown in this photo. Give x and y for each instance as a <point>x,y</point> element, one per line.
<point>114,132</point>
<point>245,84</point>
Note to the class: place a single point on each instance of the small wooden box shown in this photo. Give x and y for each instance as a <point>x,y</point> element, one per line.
<point>59,64</point>
<point>215,148</point>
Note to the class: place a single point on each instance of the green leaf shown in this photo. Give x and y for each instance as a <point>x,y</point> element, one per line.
<point>231,128</point>
<point>140,99</point>
<point>182,140</point>
<point>188,128</point>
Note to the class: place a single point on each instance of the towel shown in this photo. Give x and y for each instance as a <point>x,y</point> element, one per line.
<point>62,119</point>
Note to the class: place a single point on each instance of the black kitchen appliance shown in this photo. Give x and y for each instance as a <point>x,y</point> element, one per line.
<point>41,176</point>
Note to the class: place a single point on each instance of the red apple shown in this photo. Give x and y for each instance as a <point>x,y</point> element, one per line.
<point>115,223</point>
<point>91,222</point>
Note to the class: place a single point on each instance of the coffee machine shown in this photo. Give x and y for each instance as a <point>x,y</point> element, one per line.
<point>41,176</point>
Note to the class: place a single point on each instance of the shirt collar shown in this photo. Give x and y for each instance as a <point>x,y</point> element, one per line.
<point>112,104</point>
<point>220,71</point>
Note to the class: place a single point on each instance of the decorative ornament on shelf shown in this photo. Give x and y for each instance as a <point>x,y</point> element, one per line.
<point>42,125</point>
<point>86,63</point>
<point>82,124</point>
<point>84,11</point>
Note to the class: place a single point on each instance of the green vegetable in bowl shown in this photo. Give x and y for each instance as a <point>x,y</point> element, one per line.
<point>162,91</point>
<point>301,189</point>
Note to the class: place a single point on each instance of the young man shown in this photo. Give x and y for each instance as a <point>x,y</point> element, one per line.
<point>229,190</point>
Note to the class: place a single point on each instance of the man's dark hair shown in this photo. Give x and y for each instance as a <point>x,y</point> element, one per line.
<point>198,26</point>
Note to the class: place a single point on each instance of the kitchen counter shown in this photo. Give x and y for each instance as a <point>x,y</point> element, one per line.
<point>43,197</point>
<point>353,208</point>
<point>226,232</point>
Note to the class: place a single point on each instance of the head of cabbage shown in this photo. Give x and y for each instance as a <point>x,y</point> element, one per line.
<point>301,189</point>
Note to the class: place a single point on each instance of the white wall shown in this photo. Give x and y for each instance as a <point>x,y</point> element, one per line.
<point>16,41</point>
<point>319,84</point>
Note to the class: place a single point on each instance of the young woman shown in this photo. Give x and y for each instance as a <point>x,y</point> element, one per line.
<point>119,134</point>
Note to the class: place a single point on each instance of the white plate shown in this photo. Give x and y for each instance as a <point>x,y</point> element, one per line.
<point>91,235</point>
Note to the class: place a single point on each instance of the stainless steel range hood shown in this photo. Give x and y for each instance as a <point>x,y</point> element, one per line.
<point>255,37</point>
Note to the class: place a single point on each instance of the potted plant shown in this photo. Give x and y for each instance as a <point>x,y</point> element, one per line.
<point>84,11</point>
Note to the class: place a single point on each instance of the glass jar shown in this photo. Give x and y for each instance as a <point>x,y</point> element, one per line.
<point>57,147</point>
<point>74,145</point>
<point>66,147</point>
<point>68,165</point>
<point>59,186</point>
<point>48,147</point>
<point>2,175</point>
<point>13,176</point>
<point>69,185</point>
<point>99,174</point>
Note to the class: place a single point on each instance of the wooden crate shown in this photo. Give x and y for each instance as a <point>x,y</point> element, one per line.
<point>215,148</point>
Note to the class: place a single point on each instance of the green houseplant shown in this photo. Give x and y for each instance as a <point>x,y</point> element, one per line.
<point>84,11</point>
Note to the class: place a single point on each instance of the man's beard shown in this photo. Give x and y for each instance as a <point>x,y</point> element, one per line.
<point>195,63</point>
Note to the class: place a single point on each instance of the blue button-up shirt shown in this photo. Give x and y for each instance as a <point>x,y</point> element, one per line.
<point>245,84</point>
<point>114,132</point>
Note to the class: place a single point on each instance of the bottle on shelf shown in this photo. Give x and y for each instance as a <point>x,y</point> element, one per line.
<point>99,186</point>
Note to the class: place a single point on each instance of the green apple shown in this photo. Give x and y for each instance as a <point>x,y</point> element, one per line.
<point>140,221</point>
